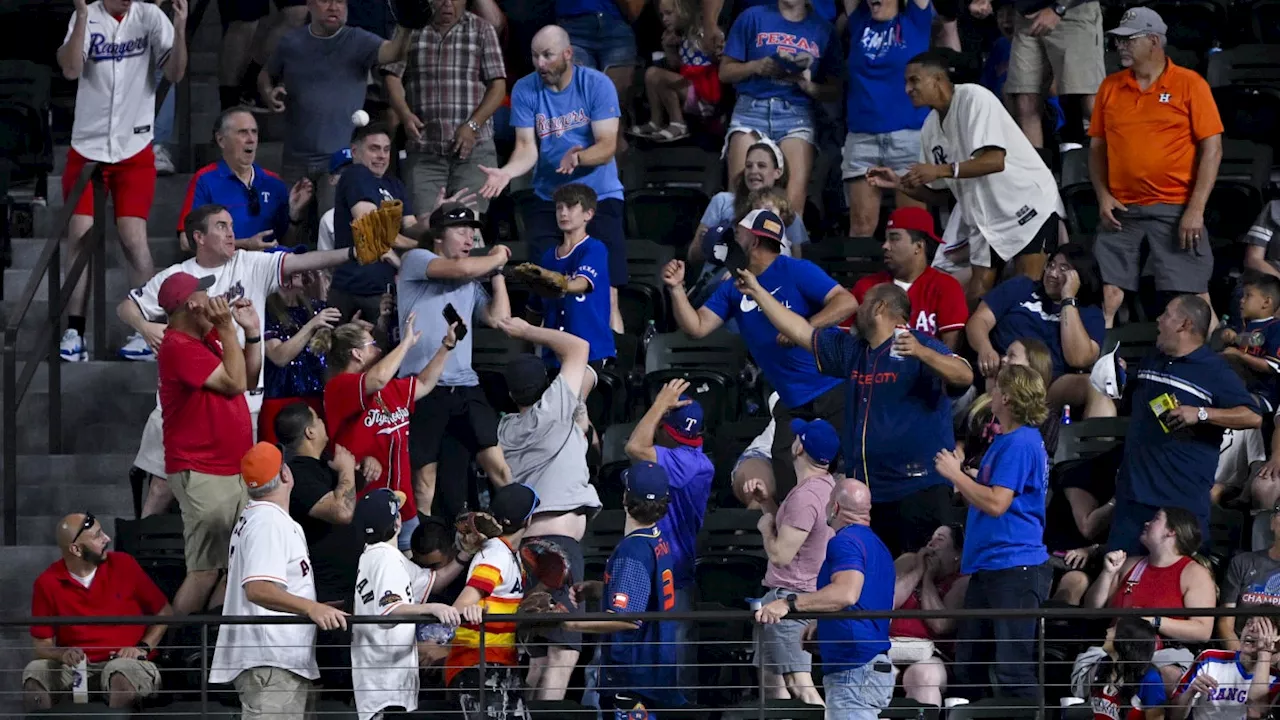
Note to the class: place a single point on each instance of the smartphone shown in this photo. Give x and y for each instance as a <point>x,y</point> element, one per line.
<point>451,316</point>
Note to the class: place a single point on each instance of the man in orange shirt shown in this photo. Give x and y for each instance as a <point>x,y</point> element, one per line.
<point>1153,160</point>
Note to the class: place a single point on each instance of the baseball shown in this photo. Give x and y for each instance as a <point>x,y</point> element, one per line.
<point>359,118</point>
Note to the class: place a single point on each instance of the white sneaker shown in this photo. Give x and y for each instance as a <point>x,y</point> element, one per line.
<point>164,163</point>
<point>137,349</point>
<point>72,347</point>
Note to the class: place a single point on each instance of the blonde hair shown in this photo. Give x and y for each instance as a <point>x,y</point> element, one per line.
<point>1024,394</point>
<point>772,197</point>
<point>338,344</point>
<point>1039,358</point>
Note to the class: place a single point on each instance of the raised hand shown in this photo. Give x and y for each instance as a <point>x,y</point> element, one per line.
<point>673,273</point>
<point>496,180</point>
<point>1113,561</point>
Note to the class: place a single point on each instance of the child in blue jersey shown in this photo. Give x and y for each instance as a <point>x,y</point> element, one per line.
<point>1253,341</point>
<point>583,310</point>
<point>638,668</point>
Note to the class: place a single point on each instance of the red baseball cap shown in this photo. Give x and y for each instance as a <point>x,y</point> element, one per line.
<point>179,286</point>
<point>913,218</point>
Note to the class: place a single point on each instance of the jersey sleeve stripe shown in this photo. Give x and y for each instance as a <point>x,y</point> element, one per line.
<point>268,578</point>
<point>953,326</point>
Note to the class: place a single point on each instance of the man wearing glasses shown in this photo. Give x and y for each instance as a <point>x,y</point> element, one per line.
<point>264,211</point>
<point>1153,159</point>
<point>89,581</point>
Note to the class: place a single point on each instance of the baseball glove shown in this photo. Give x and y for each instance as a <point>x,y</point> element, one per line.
<point>537,603</point>
<point>373,234</point>
<point>546,562</point>
<point>546,283</point>
<point>474,528</point>
<point>412,14</point>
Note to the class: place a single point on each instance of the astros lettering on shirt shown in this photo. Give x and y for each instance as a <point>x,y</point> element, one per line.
<point>584,315</point>
<point>1228,700</point>
<point>116,94</point>
<point>938,304</point>
<point>375,426</point>
<point>496,573</point>
<point>261,205</point>
<point>762,32</point>
<point>561,120</point>
<point>1261,339</point>
<point>800,286</point>
<point>638,578</point>
<point>897,412</point>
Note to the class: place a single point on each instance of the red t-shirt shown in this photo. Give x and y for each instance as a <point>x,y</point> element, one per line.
<point>375,426</point>
<point>204,430</point>
<point>119,588</point>
<point>938,304</point>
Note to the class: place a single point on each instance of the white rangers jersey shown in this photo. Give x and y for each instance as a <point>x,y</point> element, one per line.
<point>384,658</point>
<point>267,545</point>
<point>1228,699</point>
<point>116,99</point>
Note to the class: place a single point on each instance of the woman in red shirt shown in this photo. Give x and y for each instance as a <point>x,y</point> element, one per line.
<point>367,407</point>
<point>927,580</point>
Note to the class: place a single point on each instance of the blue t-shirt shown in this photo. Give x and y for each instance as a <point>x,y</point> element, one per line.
<point>570,8</point>
<point>690,472</point>
<point>217,184</point>
<point>1177,468</point>
<point>897,412</point>
<point>562,120</point>
<point>761,32</point>
<point>638,578</point>
<point>1023,310</point>
<point>1264,342</point>
<point>801,286</point>
<point>359,184</point>
<point>587,315</point>
<point>848,644</point>
<point>875,100</point>
<point>1015,460</point>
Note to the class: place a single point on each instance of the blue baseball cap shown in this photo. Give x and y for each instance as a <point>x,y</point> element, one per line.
<point>646,480</point>
<point>339,160</point>
<point>721,234</point>
<point>819,439</point>
<point>765,224</point>
<point>376,512</point>
<point>684,424</point>
<point>294,250</point>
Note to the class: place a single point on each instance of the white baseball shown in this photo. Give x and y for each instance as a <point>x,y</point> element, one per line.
<point>359,118</point>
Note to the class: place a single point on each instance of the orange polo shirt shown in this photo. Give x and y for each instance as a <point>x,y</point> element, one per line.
<point>1152,135</point>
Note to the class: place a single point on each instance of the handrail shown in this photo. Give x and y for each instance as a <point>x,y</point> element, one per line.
<point>47,269</point>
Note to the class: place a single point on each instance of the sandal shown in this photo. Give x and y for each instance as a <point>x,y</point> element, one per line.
<point>671,133</point>
<point>646,130</point>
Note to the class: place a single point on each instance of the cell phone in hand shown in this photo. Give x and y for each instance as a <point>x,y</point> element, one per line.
<point>452,317</point>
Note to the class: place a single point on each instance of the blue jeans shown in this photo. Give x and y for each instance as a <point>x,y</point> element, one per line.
<point>1014,651</point>
<point>164,116</point>
<point>775,118</point>
<point>600,41</point>
<point>859,693</point>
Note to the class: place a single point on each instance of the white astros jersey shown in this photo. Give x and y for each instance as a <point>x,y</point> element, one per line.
<point>1009,207</point>
<point>116,98</point>
<point>384,658</point>
<point>267,545</point>
<point>1227,701</point>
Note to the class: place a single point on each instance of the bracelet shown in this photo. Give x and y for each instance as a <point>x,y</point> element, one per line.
<point>252,340</point>
<point>450,347</point>
<point>955,170</point>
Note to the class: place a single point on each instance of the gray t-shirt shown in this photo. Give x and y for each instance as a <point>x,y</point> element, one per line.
<point>547,451</point>
<point>1253,579</point>
<point>326,79</point>
<point>416,293</point>
<point>1262,233</point>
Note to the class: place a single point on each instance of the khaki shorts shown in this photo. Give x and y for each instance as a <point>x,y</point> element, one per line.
<point>55,677</point>
<point>1071,54</point>
<point>210,505</point>
<point>273,693</point>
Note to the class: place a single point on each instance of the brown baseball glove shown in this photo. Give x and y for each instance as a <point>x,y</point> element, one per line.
<point>474,528</point>
<point>546,562</point>
<point>373,234</point>
<point>546,283</point>
<point>537,603</point>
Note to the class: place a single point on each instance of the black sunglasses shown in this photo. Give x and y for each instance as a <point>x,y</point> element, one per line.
<point>255,206</point>
<point>89,521</point>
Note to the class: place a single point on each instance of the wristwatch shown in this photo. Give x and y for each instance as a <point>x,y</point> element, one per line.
<point>475,127</point>
<point>1073,302</point>
<point>791,602</point>
<point>1059,9</point>
<point>1203,414</point>
<point>1155,623</point>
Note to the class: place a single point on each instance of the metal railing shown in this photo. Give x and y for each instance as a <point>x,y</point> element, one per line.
<point>752,699</point>
<point>47,269</point>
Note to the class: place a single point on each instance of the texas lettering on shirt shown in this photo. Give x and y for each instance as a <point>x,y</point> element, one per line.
<point>800,44</point>
<point>561,124</point>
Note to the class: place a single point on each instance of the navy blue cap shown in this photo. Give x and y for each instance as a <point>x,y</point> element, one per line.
<point>376,512</point>
<point>819,438</point>
<point>721,234</point>
<point>513,505</point>
<point>646,480</point>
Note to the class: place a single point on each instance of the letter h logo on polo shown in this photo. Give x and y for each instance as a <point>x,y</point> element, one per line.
<point>100,49</point>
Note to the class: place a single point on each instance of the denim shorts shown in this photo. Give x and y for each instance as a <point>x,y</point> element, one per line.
<point>859,693</point>
<point>897,150</point>
<point>773,118</point>
<point>600,41</point>
<point>781,644</point>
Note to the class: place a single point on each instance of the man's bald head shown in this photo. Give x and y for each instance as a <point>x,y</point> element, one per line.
<point>552,56</point>
<point>851,504</point>
<point>552,37</point>
<point>68,528</point>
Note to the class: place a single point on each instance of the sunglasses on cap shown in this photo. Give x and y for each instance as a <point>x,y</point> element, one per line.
<point>89,521</point>
<point>255,206</point>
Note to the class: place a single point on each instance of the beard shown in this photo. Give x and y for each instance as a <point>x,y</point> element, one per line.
<point>94,558</point>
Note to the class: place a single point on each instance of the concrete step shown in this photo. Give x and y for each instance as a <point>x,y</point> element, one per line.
<point>37,317</point>
<point>15,280</point>
<point>104,408</point>
<point>170,192</point>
